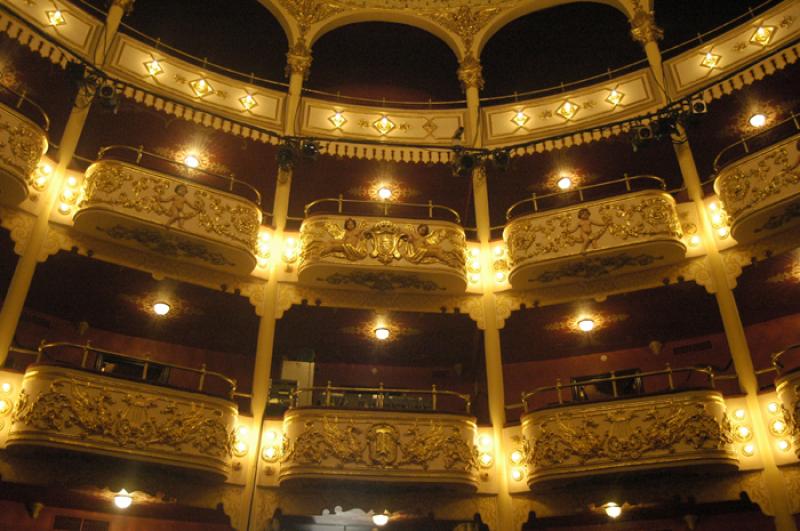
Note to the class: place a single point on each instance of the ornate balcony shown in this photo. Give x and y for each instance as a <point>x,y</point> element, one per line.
<point>169,215</point>
<point>761,192</point>
<point>22,144</point>
<point>100,407</point>
<point>382,253</point>
<point>589,240</point>
<point>788,388</point>
<point>626,434</point>
<point>380,435</point>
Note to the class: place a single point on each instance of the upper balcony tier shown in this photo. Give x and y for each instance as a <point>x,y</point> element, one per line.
<point>171,214</point>
<point>629,432</point>
<point>761,192</point>
<point>380,435</point>
<point>22,144</point>
<point>78,398</point>
<point>585,241</point>
<point>374,252</point>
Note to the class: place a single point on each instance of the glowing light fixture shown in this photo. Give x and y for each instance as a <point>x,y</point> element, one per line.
<point>242,431</point>
<point>723,232</point>
<point>694,240</point>
<point>270,436</point>
<point>716,218</point>
<point>5,406</point>
<point>474,252</point>
<point>382,333</point>
<point>383,125</point>
<point>337,119</point>
<point>520,118</point>
<point>710,60</point>
<point>191,160</point>
<point>758,120</point>
<point>385,193</point>
<point>740,414</point>
<point>154,68</point>
<point>586,325</point>
<point>475,265</point>
<point>381,519</point>
<point>773,407</point>
<point>474,278</point>
<point>201,87</point>
<point>269,453</point>
<point>783,445</point>
<point>778,427</point>
<point>240,448</point>
<point>6,387</point>
<point>64,208</point>
<point>72,181</point>
<point>743,432</point>
<point>486,460</point>
<point>55,18</point>
<point>516,457</point>
<point>763,35</point>
<point>248,102</point>
<point>568,110</point>
<point>500,277</point>
<point>713,206</point>
<point>161,308</point>
<point>123,499</point>
<point>498,251</point>
<point>615,97</point>
<point>485,442</point>
<point>748,450</point>
<point>564,183</point>
<point>612,509</point>
<point>516,474</point>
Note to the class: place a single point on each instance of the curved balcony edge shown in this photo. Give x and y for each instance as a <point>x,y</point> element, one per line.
<point>177,219</point>
<point>22,144</point>
<point>678,430</point>
<point>70,409</point>
<point>380,446</point>
<point>788,390</point>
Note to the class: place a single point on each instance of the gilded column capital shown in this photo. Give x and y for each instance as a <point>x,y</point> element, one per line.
<point>643,26</point>
<point>126,5</point>
<point>298,59</point>
<point>470,72</point>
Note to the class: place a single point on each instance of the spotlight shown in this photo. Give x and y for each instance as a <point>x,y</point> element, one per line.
<point>586,325</point>
<point>501,158</point>
<point>310,149</point>
<point>107,96</point>
<point>698,106</point>
<point>464,163</point>
<point>382,333</point>
<point>758,120</point>
<point>76,72</point>
<point>381,520</point>
<point>123,500</point>
<point>286,156</point>
<point>612,509</point>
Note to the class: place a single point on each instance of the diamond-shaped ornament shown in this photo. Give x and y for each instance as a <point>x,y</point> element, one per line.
<point>201,87</point>
<point>337,119</point>
<point>154,68</point>
<point>520,119</point>
<point>763,35</point>
<point>248,102</point>
<point>710,60</point>
<point>615,97</point>
<point>384,125</point>
<point>568,110</point>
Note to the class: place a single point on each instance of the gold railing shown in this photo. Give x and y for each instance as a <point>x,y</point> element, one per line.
<point>252,195</point>
<point>42,352</point>
<point>613,379</point>
<point>379,398</point>
<point>340,202</point>
<point>41,119</point>
<point>534,200</point>
<point>784,128</point>
<point>775,360</point>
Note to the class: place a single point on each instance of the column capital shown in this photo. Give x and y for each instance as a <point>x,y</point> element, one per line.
<point>643,25</point>
<point>126,5</point>
<point>298,59</point>
<point>470,72</point>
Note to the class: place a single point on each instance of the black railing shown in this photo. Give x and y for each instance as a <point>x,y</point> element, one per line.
<point>381,397</point>
<point>757,141</point>
<point>25,106</point>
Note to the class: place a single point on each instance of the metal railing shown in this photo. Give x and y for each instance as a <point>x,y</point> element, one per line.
<point>147,364</point>
<point>775,360</point>
<point>386,206</point>
<point>378,397</point>
<point>613,379</point>
<point>793,119</point>
<point>254,196</point>
<point>42,119</point>
<point>534,199</point>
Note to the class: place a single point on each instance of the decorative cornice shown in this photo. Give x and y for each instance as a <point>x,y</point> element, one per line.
<point>470,72</point>
<point>464,21</point>
<point>643,26</point>
<point>298,59</point>
<point>309,12</point>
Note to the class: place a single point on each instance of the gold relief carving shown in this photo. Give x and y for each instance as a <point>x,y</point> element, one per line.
<point>792,418</point>
<point>582,231</point>
<point>175,203</point>
<point>614,438</point>
<point>384,241</point>
<point>383,442</point>
<point>470,72</point>
<point>122,419</point>
<point>25,146</point>
<point>743,190</point>
<point>425,446</point>
<point>309,12</point>
<point>643,25</point>
<point>298,59</point>
<point>330,440</point>
<point>464,21</point>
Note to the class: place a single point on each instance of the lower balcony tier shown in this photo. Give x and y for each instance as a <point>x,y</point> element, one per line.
<point>761,193</point>
<point>682,429</point>
<point>76,410</point>
<point>383,254</point>
<point>788,389</point>
<point>379,446</point>
<point>590,240</point>
<point>22,144</point>
<point>168,216</point>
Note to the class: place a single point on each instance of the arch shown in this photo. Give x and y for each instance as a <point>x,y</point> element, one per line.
<point>288,25</point>
<point>391,16</point>
<point>527,8</point>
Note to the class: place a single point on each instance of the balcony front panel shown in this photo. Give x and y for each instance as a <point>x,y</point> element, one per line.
<point>383,254</point>
<point>591,240</point>
<point>761,193</point>
<point>379,446</point>
<point>684,429</point>
<point>76,410</point>
<point>148,210</point>
<point>788,389</point>
<point>22,144</point>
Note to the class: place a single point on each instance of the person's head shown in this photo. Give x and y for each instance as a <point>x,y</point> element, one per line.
<point>350,224</point>
<point>423,230</point>
<point>181,189</point>
<point>583,213</point>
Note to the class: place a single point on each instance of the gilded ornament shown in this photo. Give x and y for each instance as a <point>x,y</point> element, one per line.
<point>310,12</point>
<point>25,146</point>
<point>470,72</point>
<point>382,281</point>
<point>298,59</point>
<point>465,21</point>
<point>643,26</point>
<point>791,417</point>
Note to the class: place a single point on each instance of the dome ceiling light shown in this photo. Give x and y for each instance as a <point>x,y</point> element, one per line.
<point>382,519</point>
<point>385,193</point>
<point>586,325</point>
<point>191,160</point>
<point>757,120</point>
<point>564,183</point>
<point>123,500</point>
<point>612,509</point>
<point>161,308</point>
<point>382,333</point>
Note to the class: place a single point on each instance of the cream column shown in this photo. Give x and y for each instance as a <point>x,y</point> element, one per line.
<point>298,61</point>
<point>470,75</point>
<point>644,30</point>
<point>14,301</point>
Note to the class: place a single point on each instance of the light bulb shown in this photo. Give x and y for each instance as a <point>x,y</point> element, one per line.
<point>191,160</point>
<point>72,182</point>
<point>485,442</point>
<point>773,407</point>
<point>498,250</point>
<point>758,120</point>
<point>500,277</point>
<point>783,445</point>
<point>5,406</point>
<point>270,436</point>
<point>516,474</point>
<point>384,193</point>
<point>269,453</point>
<point>123,500</point>
<point>242,432</point>
<point>778,427</point>
<point>716,218</point>
<point>723,232</point>
<point>382,333</point>
<point>161,308</point>
<point>743,432</point>
<point>694,240</point>
<point>475,264</point>
<point>564,183</point>
<point>740,414</point>
<point>516,457</point>
<point>474,278</point>
<point>486,460</point>
<point>613,510</point>
<point>586,325</point>
<point>380,520</point>
<point>240,448</point>
<point>474,252</point>
<point>748,450</point>
<point>6,387</point>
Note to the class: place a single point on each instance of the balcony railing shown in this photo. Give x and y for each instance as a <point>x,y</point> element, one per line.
<point>615,235</point>
<point>170,215</point>
<point>68,402</point>
<point>787,386</point>
<point>760,190</point>
<point>356,246</point>
<point>395,399</point>
<point>680,428</point>
<point>23,141</point>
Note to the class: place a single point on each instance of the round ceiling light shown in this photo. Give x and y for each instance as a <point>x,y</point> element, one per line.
<point>161,308</point>
<point>758,120</point>
<point>123,500</point>
<point>381,520</point>
<point>612,509</point>
<point>385,193</point>
<point>191,160</point>
<point>586,325</point>
<point>382,333</point>
<point>564,183</point>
